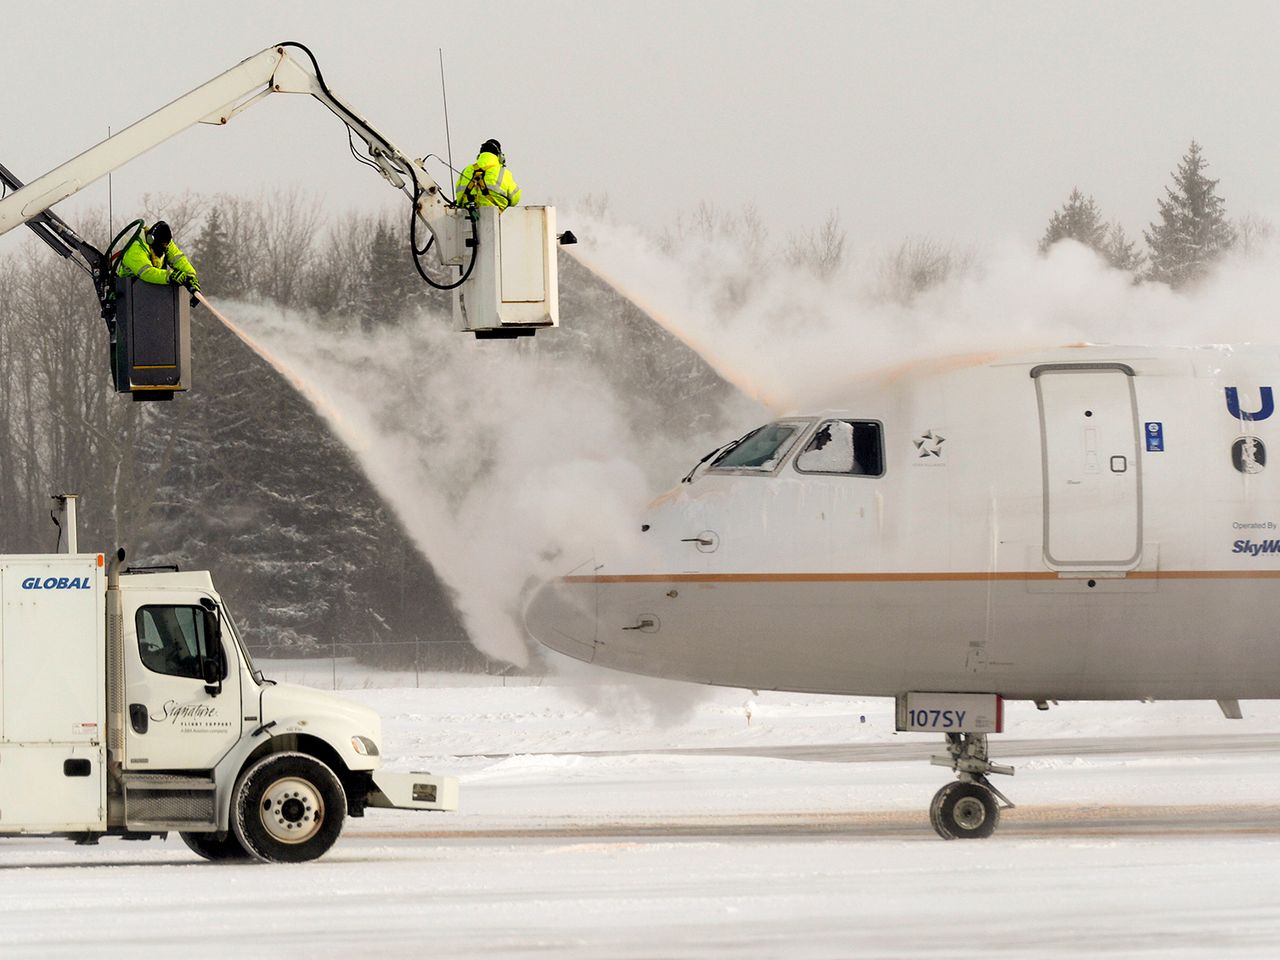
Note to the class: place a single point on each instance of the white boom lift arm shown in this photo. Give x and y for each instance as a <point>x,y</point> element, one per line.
<point>275,70</point>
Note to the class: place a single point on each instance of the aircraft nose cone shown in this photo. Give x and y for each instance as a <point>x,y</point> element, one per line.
<point>562,615</point>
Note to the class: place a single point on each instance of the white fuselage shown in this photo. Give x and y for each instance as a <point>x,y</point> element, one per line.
<point>1082,523</point>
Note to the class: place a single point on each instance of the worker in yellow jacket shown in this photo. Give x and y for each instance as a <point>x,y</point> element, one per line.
<point>488,182</point>
<point>153,257</point>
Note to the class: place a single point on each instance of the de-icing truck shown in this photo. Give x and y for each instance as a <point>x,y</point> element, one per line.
<point>130,707</point>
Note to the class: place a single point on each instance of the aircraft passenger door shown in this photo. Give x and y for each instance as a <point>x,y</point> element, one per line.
<point>1091,467</point>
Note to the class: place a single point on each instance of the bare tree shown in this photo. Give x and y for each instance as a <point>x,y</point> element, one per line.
<point>710,224</point>
<point>916,265</point>
<point>286,228</point>
<point>335,279</point>
<point>184,212</point>
<point>1254,234</point>
<point>753,237</point>
<point>595,205</point>
<point>242,223</point>
<point>12,378</point>
<point>821,250</point>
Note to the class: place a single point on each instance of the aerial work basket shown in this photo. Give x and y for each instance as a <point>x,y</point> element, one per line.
<point>512,288</point>
<point>151,342</point>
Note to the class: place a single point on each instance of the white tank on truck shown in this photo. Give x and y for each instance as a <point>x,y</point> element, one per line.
<point>130,706</point>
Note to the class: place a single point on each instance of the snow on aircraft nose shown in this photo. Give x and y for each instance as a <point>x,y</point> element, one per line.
<point>562,615</point>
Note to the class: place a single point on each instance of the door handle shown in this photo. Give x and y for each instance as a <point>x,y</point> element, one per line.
<point>707,541</point>
<point>138,717</point>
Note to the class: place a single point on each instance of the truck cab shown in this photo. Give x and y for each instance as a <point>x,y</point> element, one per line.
<point>130,706</point>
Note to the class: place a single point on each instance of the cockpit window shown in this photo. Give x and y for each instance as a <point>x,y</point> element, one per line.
<point>852,447</point>
<point>762,449</point>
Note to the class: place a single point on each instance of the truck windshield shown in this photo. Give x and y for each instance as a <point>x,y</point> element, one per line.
<point>761,449</point>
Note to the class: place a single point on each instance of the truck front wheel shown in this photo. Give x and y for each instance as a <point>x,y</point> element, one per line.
<point>288,808</point>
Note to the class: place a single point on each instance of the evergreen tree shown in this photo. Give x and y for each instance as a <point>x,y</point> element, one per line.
<point>1080,220</point>
<point>1193,230</point>
<point>216,261</point>
<point>1120,250</point>
<point>390,282</point>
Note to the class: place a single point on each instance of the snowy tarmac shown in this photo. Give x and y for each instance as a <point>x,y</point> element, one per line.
<point>680,830</point>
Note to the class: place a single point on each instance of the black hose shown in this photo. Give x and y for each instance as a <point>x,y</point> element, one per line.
<point>135,224</point>
<point>104,284</point>
<point>417,256</point>
<point>430,240</point>
<point>413,175</point>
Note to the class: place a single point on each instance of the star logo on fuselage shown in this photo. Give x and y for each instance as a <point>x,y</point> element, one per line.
<point>929,445</point>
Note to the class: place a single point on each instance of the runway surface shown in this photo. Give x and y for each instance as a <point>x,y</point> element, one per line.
<point>794,851</point>
<point>1020,822</point>
<point>1027,820</point>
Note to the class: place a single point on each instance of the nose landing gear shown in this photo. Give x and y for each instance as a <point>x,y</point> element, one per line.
<point>968,808</point>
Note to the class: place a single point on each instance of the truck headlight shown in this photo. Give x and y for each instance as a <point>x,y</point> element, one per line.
<point>364,746</point>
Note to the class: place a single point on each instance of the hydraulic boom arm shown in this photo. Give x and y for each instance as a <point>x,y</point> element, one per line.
<point>274,70</point>
<point>504,281</point>
<point>64,241</point>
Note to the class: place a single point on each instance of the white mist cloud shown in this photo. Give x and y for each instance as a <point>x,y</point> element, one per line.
<point>507,466</point>
<point>792,339</point>
<point>503,467</point>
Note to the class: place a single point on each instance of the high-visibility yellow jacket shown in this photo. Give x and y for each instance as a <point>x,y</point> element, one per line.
<point>139,261</point>
<point>488,183</point>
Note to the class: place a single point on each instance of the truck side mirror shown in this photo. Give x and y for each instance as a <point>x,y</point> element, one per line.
<point>211,667</point>
<point>212,622</point>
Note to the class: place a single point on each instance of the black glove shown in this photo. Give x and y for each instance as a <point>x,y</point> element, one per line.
<point>177,276</point>
<point>193,284</point>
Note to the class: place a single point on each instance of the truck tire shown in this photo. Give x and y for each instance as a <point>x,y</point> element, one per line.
<point>288,808</point>
<point>218,849</point>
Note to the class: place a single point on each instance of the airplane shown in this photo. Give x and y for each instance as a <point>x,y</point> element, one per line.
<point>1077,523</point>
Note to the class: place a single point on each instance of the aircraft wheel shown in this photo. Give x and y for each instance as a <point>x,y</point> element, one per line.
<point>209,846</point>
<point>964,811</point>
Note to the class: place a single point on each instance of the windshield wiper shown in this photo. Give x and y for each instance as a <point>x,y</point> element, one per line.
<point>688,477</point>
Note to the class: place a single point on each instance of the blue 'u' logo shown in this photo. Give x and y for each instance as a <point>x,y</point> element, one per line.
<point>1268,405</point>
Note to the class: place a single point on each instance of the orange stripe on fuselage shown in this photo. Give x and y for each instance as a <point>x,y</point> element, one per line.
<point>915,577</point>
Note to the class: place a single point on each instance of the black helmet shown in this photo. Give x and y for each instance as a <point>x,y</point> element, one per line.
<point>491,146</point>
<point>159,235</point>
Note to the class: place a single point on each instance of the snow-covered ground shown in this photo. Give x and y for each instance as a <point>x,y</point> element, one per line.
<point>624,819</point>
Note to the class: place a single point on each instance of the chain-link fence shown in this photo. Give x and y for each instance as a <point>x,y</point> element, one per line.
<point>395,663</point>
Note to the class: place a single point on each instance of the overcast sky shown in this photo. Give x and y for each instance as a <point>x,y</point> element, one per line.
<point>961,121</point>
